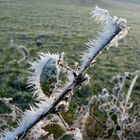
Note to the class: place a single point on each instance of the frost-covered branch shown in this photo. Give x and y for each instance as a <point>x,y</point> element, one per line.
<point>112,27</point>
<point>45,77</point>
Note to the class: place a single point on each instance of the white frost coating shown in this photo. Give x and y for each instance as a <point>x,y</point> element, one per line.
<point>112,26</point>
<point>37,131</point>
<point>29,117</point>
<point>32,116</point>
<point>10,136</point>
<point>77,135</point>
<point>37,67</point>
<point>50,137</point>
<point>101,15</point>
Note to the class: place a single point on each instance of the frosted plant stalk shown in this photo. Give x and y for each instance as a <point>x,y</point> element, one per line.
<point>129,94</point>
<point>112,26</point>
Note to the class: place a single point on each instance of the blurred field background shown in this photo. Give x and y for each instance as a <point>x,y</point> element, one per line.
<point>64,26</point>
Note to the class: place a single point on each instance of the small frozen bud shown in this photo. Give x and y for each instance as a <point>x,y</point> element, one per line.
<point>115,79</point>
<point>103,107</point>
<point>127,75</point>
<point>98,101</point>
<point>62,56</point>
<point>104,92</point>
<point>110,123</point>
<point>87,79</point>
<point>104,95</point>
<point>63,106</point>
<point>120,78</point>
<point>112,110</point>
<point>120,97</point>
<point>77,67</point>
<point>76,133</point>
<point>122,23</point>
<point>125,121</point>
<point>50,137</point>
<point>116,90</point>
<point>110,98</point>
<point>129,106</point>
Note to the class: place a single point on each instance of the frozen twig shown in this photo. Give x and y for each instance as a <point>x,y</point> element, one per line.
<point>47,64</point>
<point>129,93</point>
<point>112,27</point>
